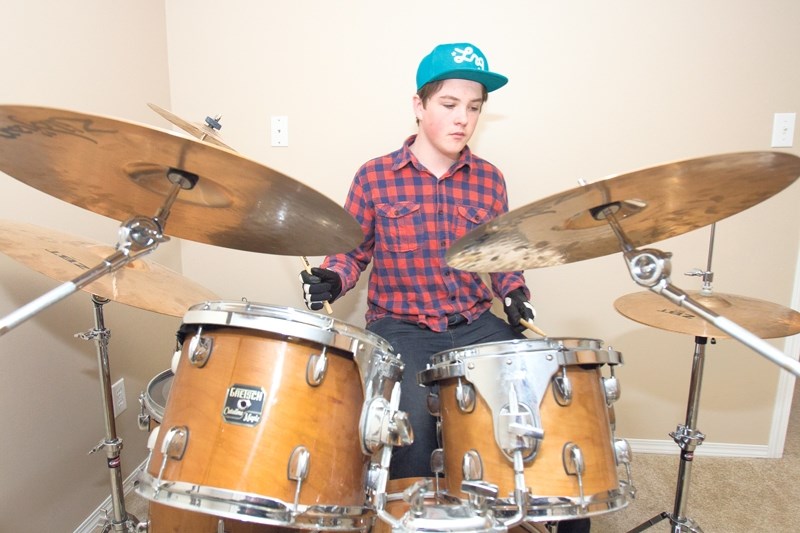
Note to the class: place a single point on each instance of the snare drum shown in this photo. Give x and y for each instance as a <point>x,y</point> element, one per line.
<point>544,401</point>
<point>262,419</point>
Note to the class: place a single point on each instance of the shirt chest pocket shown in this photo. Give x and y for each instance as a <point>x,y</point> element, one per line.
<point>469,217</point>
<point>397,226</point>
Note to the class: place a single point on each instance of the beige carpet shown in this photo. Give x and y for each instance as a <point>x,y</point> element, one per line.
<point>726,495</point>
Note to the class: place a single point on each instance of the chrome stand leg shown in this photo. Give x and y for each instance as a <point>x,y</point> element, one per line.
<point>688,438</point>
<point>121,521</point>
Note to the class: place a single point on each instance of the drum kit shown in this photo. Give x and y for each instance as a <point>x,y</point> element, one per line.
<point>277,418</point>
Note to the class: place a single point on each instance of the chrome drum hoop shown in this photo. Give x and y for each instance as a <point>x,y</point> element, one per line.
<point>564,351</point>
<point>249,507</point>
<point>373,355</point>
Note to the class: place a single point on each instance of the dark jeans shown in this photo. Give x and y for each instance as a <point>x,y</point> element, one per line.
<point>416,345</point>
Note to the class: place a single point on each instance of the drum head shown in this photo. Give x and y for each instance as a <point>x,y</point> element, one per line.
<point>155,401</point>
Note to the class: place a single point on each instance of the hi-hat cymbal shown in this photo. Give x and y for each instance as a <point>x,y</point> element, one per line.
<point>118,169</point>
<point>651,205</point>
<point>63,257</point>
<point>763,319</point>
<point>204,132</point>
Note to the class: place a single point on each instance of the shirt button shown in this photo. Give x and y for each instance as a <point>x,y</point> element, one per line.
<point>444,244</point>
<point>452,298</point>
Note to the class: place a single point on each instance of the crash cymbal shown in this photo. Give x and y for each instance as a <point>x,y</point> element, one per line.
<point>118,169</point>
<point>63,257</point>
<point>204,132</point>
<point>763,319</point>
<point>651,205</point>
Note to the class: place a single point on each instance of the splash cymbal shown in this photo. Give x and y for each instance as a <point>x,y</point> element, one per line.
<point>141,283</point>
<point>204,132</point>
<point>764,319</point>
<point>651,205</point>
<point>118,169</point>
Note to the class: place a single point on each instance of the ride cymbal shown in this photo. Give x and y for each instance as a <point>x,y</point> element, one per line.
<point>63,257</point>
<point>119,169</point>
<point>650,205</point>
<point>204,132</point>
<point>763,319</point>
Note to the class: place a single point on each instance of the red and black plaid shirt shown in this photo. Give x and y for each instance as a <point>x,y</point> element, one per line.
<point>409,219</point>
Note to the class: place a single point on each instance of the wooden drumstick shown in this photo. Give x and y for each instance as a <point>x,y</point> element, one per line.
<point>327,304</point>
<point>531,327</point>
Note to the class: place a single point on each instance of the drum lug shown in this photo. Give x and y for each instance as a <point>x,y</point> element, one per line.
<point>622,455</point>
<point>316,368</point>
<point>172,447</point>
<point>297,470</point>
<point>472,466</point>
<point>434,404</point>
<point>572,457</point>
<point>144,417</point>
<point>200,349</point>
<point>562,388</point>
<point>465,396</point>
<point>611,388</point>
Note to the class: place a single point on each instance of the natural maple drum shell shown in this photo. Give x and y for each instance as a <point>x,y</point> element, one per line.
<point>245,459</point>
<point>584,422</point>
<point>167,519</point>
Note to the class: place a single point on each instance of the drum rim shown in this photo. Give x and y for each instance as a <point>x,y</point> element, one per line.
<point>567,350</point>
<point>233,504</point>
<point>266,317</point>
<point>155,409</point>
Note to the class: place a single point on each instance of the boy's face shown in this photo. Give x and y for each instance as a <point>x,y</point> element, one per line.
<point>448,119</point>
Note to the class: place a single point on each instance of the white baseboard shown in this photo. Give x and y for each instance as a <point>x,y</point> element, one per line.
<point>708,449</point>
<point>99,518</point>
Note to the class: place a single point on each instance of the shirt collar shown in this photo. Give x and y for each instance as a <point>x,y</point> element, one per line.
<point>405,157</point>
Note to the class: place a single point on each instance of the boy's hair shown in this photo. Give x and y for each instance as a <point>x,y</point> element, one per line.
<point>429,89</point>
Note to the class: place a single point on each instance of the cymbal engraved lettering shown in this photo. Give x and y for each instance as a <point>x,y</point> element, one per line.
<point>52,127</point>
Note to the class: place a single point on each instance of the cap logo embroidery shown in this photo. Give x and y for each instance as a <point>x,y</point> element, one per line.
<point>468,55</point>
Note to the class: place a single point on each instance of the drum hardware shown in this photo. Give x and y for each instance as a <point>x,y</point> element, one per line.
<point>562,388</point>
<point>687,436</point>
<point>298,471</point>
<point>200,348</point>
<point>121,520</point>
<point>587,222</point>
<point>383,425</point>
<point>465,396</point>
<point>316,368</point>
<point>611,388</point>
<point>572,458</point>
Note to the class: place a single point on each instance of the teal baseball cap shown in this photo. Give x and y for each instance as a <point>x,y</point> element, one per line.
<point>460,61</point>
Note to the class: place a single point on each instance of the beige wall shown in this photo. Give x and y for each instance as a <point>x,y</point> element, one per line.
<point>95,57</point>
<point>597,89</point>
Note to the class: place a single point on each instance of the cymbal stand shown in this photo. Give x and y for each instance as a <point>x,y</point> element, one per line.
<point>687,436</point>
<point>121,520</point>
<point>138,236</point>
